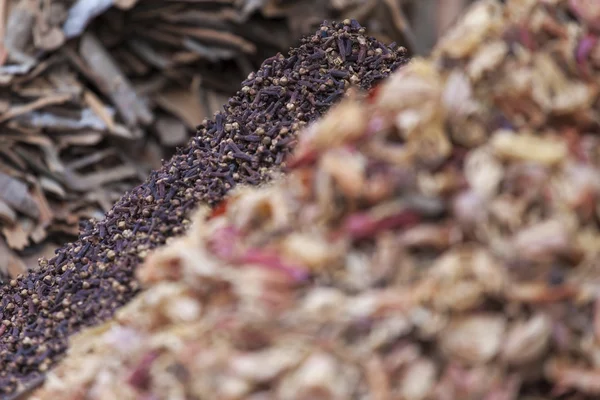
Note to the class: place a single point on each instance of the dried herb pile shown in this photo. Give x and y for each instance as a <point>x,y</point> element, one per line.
<point>72,141</point>
<point>438,241</point>
<point>88,279</point>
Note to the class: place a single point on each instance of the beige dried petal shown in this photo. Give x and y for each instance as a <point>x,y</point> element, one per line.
<point>230,387</point>
<point>465,37</point>
<point>507,211</point>
<point>526,341</point>
<point>325,193</point>
<point>260,209</point>
<point>488,271</point>
<point>310,250</point>
<point>421,85</point>
<point>460,296</point>
<point>468,262</point>
<point>377,378</point>
<point>170,303</point>
<point>591,348</point>
<point>345,122</point>
<point>428,323</point>
<point>183,309</point>
<point>449,268</point>
<point>548,81</point>
<point>574,97</point>
<point>358,270</point>
<point>474,339</point>
<point>319,374</point>
<point>554,92</point>
<point>386,332</point>
<point>483,172</point>
<point>395,154</point>
<point>431,236</point>
<point>430,143</point>
<point>347,170</point>
<point>469,207</point>
<point>576,377</point>
<point>508,145</point>
<point>123,339</point>
<point>458,95</point>
<point>370,303</point>
<point>265,365</point>
<point>487,59</point>
<point>324,302</point>
<point>539,292</point>
<point>418,380</point>
<point>543,239</point>
<point>176,261</point>
<point>577,181</point>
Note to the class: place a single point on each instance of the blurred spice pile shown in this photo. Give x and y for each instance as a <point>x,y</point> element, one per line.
<point>84,120</point>
<point>438,241</point>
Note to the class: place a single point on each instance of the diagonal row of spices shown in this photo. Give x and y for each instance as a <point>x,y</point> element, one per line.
<point>438,240</point>
<point>87,280</point>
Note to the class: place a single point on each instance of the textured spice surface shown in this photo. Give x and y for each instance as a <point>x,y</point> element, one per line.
<point>90,278</point>
<point>439,242</point>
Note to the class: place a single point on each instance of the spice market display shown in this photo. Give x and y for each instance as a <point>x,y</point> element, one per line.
<point>437,240</point>
<point>94,93</point>
<point>87,280</point>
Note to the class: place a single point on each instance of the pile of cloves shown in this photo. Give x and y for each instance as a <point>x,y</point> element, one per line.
<point>89,279</point>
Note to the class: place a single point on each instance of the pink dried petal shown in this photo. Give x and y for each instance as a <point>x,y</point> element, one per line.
<point>359,226</point>
<point>507,390</point>
<point>304,159</point>
<point>140,377</point>
<point>222,242</point>
<point>375,125</point>
<point>270,260</point>
<point>585,47</point>
<point>561,336</point>
<point>362,226</point>
<point>526,38</point>
<point>148,396</point>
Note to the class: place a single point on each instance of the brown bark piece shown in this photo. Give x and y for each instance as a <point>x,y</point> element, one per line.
<point>99,60</point>
<point>16,194</point>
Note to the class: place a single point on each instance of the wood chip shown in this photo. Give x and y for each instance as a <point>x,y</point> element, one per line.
<point>99,60</point>
<point>35,105</point>
<point>16,194</point>
<point>7,214</point>
<point>183,104</point>
<point>10,264</point>
<point>16,237</point>
<point>83,183</point>
<point>100,109</point>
